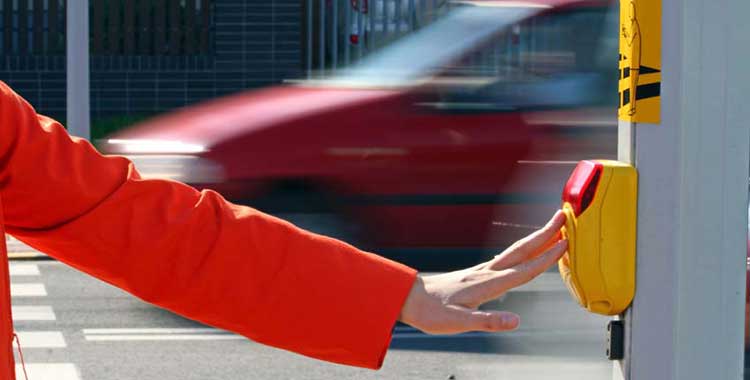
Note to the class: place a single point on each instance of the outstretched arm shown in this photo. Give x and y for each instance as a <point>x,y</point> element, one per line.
<point>193,252</point>
<point>230,266</point>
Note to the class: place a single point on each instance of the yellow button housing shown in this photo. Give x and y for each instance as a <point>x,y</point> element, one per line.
<point>600,203</point>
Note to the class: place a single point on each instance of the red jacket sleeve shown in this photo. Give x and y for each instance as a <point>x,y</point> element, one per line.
<point>193,252</point>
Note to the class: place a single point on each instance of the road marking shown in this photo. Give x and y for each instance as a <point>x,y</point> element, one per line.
<point>41,339</point>
<point>24,270</point>
<point>28,290</point>
<point>155,337</point>
<point>49,371</point>
<point>112,331</point>
<point>146,334</point>
<point>33,313</point>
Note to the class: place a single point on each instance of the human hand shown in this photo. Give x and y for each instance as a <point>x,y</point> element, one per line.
<point>447,303</point>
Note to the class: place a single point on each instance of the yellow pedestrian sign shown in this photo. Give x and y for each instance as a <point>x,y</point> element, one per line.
<point>640,61</point>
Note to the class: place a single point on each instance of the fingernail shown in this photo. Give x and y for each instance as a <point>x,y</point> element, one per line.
<point>511,320</point>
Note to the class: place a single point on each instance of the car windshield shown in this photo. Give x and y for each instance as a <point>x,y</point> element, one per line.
<point>418,55</point>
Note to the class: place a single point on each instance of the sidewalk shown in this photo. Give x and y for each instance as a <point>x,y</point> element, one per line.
<point>20,251</point>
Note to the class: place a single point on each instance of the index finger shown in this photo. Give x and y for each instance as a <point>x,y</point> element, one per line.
<point>531,245</point>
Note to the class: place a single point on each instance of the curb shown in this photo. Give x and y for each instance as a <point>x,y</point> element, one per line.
<point>27,256</point>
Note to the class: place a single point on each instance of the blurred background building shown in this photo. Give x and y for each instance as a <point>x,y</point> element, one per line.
<point>149,56</point>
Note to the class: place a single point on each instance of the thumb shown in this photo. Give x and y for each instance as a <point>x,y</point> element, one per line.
<point>493,321</point>
<point>458,319</point>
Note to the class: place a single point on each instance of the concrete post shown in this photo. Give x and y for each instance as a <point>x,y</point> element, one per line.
<point>78,98</point>
<point>687,318</point>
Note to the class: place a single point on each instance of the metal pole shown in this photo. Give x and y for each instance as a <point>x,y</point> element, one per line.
<point>334,35</point>
<point>78,101</point>
<point>419,15</point>
<point>687,317</point>
<point>532,44</point>
<point>348,34</point>
<point>386,21</point>
<point>322,31</point>
<point>411,13</point>
<point>309,38</point>
<point>372,10</point>
<point>360,29</point>
<point>397,16</point>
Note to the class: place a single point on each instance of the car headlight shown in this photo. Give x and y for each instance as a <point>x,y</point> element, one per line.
<point>128,146</point>
<point>183,168</point>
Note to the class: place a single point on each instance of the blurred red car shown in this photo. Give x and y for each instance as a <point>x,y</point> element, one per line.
<point>445,146</point>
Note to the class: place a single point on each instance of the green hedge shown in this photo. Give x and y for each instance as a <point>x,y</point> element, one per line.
<point>101,128</point>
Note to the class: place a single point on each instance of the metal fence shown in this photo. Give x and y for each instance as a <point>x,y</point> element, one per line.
<point>125,34</point>
<point>340,32</point>
<point>32,27</point>
<point>150,27</point>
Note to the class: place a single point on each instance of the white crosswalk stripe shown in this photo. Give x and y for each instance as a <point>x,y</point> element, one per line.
<point>33,313</point>
<point>28,290</point>
<point>41,339</point>
<point>48,371</point>
<point>24,270</point>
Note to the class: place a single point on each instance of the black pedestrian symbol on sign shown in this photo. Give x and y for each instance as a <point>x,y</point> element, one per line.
<point>640,61</point>
<point>632,35</point>
<point>632,70</point>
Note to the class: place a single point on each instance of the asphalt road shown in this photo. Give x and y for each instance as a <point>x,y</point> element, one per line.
<point>73,327</point>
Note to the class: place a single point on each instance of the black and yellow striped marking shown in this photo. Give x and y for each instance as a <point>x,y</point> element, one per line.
<point>647,90</point>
